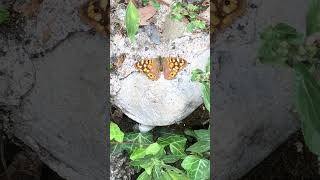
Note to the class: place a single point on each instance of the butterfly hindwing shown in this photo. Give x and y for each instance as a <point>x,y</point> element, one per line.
<point>95,13</point>
<point>172,65</point>
<point>150,67</point>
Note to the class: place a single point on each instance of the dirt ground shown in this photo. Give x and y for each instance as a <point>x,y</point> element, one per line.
<point>292,160</point>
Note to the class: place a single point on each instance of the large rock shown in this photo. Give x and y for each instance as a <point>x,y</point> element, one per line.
<point>63,116</point>
<point>162,102</point>
<point>253,102</point>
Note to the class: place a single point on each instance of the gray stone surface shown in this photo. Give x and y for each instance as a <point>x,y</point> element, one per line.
<point>63,116</point>
<point>252,101</point>
<point>52,80</point>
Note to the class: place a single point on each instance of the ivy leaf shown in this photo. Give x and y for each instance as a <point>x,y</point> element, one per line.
<point>159,174</point>
<point>177,176</point>
<point>172,158</point>
<point>202,134</point>
<point>313,17</point>
<point>196,167</point>
<point>138,153</point>
<point>135,140</point>
<point>153,149</point>
<point>144,176</point>
<point>176,143</point>
<point>146,163</point>
<point>132,20</point>
<point>116,149</point>
<point>200,147</point>
<point>115,133</point>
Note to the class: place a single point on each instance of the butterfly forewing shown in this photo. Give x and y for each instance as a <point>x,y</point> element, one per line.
<point>172,66</point>
<point>150,67</point>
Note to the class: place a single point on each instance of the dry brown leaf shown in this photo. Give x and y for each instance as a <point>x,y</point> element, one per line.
<point>145,14</point>
<point>119,61</point>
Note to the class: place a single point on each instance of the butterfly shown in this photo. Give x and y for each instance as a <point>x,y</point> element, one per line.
<point>170,66</point>
<point>224,12</point>
<point>95,13</point>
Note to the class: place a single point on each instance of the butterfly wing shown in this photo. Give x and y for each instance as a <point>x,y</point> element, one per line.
<point>224,12</point>
<point>172,66</point>
<point>149,67</point>
<point>95,13</point>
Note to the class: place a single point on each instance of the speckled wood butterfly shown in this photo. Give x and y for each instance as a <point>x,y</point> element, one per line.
<point>153,67</point>
<point>223,12</point>
<point>95,13</point>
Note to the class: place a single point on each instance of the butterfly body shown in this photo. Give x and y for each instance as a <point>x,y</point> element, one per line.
<point>152,68</point>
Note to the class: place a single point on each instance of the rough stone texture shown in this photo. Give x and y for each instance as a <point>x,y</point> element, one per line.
<point>52,80</point>
<point>252,102</point>
<point>63,116</point>
<point>120,168</point>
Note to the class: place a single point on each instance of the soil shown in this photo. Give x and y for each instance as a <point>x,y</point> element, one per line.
<point>292,160</point>
<point>22,163</point>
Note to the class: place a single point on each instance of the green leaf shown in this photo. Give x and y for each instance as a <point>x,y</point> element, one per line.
<point>195,24</point>
<point>202,134</point>
<point>205,89</point>
<point>145,2</point>
<point>196,167</point>
<point>172,158</point>
<point>176,143</point>
<point>138,153</point>
<point>313,17</point>
<point>190,133</point>
<point>144,176</point>
<point>132,20</point>
<point>115,133</point>
<point>200,147</point>
<point>308,96</point>
<point>177,176</point>
<point>116,149</point>
<point>135,140</point>
<point>311,137</point>
<point>203,138</point>
<point>4,15</point>
<point>208,66</point>
<point>307,91</point>
<point>278,44</point>
<point>196,75</point>
<point>153,149</point>
<point>155,4</point>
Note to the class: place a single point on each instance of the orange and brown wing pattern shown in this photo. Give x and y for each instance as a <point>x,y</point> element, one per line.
<point>172,66</point>
<point>150,67</point>
<point>95,13</point>
<point>224,12</point>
